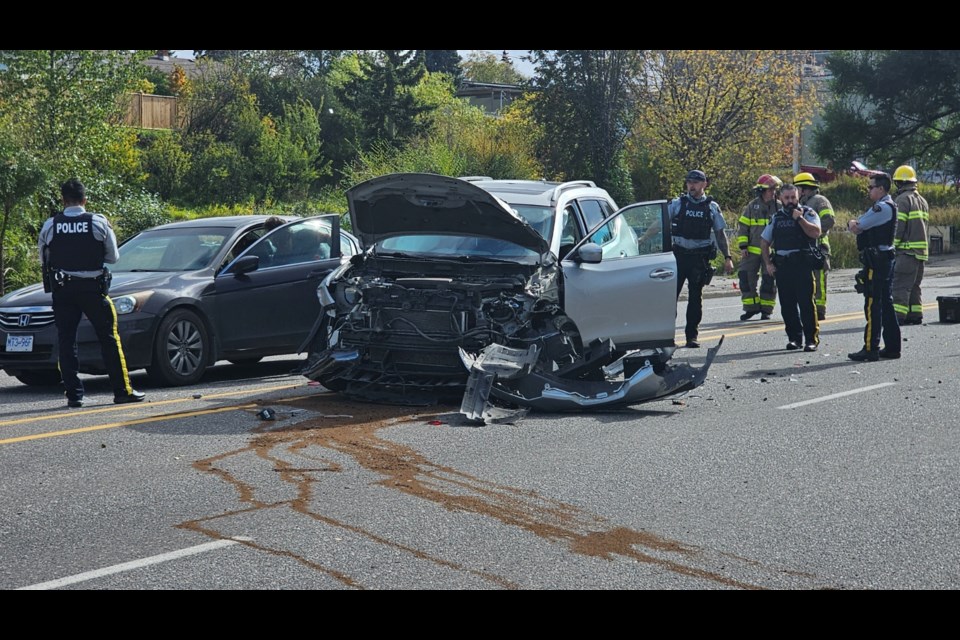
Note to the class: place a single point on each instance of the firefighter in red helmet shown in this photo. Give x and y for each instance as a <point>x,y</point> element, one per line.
<point>758,291</point>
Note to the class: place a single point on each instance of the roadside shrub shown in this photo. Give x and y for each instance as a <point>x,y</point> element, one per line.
<point>129,209</point>
<point>21,261</point>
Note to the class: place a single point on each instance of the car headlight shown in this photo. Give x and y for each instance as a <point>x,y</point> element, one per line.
<point>131,302</point>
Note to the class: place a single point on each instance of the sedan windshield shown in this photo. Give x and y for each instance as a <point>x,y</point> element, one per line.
<point>171,249</point>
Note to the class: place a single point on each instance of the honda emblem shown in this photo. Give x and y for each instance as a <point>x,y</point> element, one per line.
<point>24,320</point>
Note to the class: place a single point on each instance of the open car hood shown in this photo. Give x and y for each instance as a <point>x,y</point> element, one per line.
<point>425,203</point>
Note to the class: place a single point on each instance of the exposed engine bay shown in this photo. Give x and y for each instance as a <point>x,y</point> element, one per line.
<point>491,333</point>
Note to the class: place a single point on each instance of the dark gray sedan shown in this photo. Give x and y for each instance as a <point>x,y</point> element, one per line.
<point>189,294</point>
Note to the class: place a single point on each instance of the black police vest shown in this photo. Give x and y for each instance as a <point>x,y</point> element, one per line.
<point>881,234</point>
<point>788,235</point>
<point>694,221</point>
<point>73,246</point>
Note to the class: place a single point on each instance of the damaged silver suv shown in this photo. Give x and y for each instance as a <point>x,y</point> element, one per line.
<point>504,294</point>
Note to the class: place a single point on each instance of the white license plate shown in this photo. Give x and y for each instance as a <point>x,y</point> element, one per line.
<point>19,343</point>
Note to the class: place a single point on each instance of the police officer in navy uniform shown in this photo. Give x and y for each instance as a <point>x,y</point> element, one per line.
<point>875,231</point>
<point>694,218</point>
<point>792,231</point>
<point>74,245</point>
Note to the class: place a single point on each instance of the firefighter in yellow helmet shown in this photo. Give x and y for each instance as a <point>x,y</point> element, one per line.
<point>810,196</point>
<point>910,242</point>
<point>755,217</point>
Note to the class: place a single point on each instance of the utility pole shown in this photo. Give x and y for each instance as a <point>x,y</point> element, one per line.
<point>797,131</point>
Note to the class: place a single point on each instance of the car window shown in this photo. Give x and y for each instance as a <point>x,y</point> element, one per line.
<point>185,249</point>
<point>303,241</point>
<point>646,221</point>
<point>346,246</point>
<point>617,239</point>
<point>593,215</point>
<point>571,232</point>
<point>245,241</point>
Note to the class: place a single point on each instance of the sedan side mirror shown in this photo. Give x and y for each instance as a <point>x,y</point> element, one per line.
<point>245,264</point>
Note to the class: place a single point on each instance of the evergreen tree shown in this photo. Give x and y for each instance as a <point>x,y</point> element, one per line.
<point>444,61</point>
<point>380,95</point>
<point>891,106</point>
<point>585,105</point>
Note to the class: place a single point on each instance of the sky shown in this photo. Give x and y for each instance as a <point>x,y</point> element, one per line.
<point>521,66</point>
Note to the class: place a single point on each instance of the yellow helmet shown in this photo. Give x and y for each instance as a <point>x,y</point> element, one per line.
<point>905,173</point>
<point>805,180</point>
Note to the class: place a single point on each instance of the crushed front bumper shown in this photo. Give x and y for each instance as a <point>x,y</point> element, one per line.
<point>508,375</point>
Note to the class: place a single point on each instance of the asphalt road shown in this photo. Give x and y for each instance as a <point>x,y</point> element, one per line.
<point>785,470</point>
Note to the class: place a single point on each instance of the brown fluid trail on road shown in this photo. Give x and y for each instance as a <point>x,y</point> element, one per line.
<point>352,430</point>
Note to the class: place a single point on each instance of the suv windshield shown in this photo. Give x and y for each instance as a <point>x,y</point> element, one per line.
<point>455,246</point>
<point>540,218</point>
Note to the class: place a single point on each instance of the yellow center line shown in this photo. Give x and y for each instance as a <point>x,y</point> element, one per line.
<point>128,423</point>
<point>716,334</point>
<point>142,405</point>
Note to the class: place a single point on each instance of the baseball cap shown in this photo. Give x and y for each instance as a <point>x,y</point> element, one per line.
<point>696,174</point>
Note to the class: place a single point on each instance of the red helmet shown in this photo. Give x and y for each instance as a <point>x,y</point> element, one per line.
<point>767,181</point>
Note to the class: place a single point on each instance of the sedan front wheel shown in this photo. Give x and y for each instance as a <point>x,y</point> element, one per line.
<point>181,351</point>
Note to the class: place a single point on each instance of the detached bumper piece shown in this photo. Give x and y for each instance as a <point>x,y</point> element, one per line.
<point>509,377</point>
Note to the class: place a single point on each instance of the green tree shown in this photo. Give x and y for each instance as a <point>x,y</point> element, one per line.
<point>21,175</point>
<point>585,102</point>
<point>69,103</point>
<point>283,77</point>
<point>237,153</point>
<point>444,61</point>
<point>165,161</point>
<point>66,108</point>
<point>891,106</point>
<point>460,139</point>
<point>379,94</point>
<point>730,113</point>
<point>482,66</point>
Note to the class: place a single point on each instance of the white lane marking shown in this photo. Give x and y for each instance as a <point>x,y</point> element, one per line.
<point>128,566</point>
<point>832,396</point>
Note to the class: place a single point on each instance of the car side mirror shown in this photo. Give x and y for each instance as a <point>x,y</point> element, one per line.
<point>245,264</point>
<point>590,253</point>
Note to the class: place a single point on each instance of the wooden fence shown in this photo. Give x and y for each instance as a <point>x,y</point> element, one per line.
<point>148,111</point>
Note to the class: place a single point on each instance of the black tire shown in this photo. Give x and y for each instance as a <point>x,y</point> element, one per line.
<point>39,378</point>
<point>181,351</point>
<point>245,362</point>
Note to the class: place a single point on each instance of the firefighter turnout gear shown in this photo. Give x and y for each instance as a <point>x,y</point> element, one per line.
<point>911,244</point>
<point>758,289</point>
<point>810,196</point>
